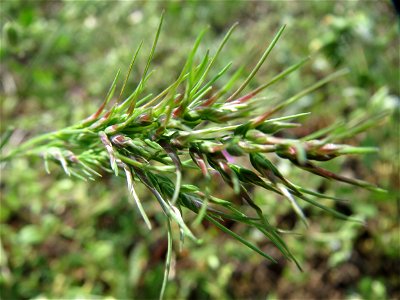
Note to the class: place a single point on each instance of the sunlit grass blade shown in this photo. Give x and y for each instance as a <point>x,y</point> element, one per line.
<point>110,94</point>
<point>146,69</point>
<point>258,65</point>
<point>209,84</point>
<point>239,238</point>
<point>167,260</point>
<point>213,60</point>
<point>228,85</point>
<point>131,189</point>
<point>274,80</point>
<point>294,204</point>
<point>331,211</point>
<point>306,91</point>
<point>359,126</point>
<point>129,71</point>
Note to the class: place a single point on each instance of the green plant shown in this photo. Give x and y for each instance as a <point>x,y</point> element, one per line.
<point>190,126</point>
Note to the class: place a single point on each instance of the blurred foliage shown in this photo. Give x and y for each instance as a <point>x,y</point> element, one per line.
<point>63,238</point>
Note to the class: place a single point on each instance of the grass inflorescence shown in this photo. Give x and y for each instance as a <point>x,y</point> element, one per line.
<point>153,139</point>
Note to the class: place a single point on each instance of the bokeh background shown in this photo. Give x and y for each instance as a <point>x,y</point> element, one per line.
<point>62,238</point>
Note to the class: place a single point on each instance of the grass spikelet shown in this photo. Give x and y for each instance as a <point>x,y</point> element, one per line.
<point>186,128</point>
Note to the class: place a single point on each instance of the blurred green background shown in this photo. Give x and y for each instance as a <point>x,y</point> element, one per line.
<point>62,238</point>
